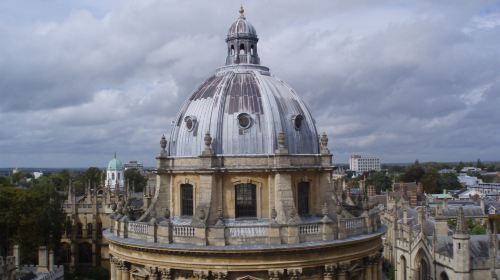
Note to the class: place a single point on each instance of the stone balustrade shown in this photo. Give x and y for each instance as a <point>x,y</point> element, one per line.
<point>263,232</point>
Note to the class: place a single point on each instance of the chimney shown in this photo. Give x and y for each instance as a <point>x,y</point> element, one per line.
<point>371,190</point>
<point>51,260</point>
<point>43,265</point>
<point>17,255</point>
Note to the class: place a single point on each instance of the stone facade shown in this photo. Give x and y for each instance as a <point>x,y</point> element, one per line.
<point>88,215</point>
<point>420,245</point>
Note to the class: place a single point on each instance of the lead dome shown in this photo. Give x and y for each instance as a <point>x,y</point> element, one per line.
<point>243,107</point>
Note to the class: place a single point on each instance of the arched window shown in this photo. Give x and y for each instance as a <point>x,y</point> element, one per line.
<point>65,253</point>
<point>186,200</point>
<point>252,51</point>
<point>246,205</point>
<point>403,267</point>
<point>424,270</point>
<point>68,227</point>
<point>99,229</point>
<point>84,253</point>
<point>444,276</point>
<point>242,49</point>
<point>89,229</point>
<point>232,49</point>
<point>112,176</point>
<point>79,230</point>
<point>303,198</point>
<point>118,174</point>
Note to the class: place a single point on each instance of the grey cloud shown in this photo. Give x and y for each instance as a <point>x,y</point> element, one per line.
<point>398,81</point>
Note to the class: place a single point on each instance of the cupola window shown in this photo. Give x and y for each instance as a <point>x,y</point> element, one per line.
<point>244,120</point>
<point>190,123</point>
<point>303,198</point>
<point>242,49</point>
<point>246,206</point>
<point>297,121</point>
<point>186,200</point>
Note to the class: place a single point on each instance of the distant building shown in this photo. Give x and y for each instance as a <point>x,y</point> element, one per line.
<point>134,164</point>
<point>361,164</point>
<point>488,189</point>
<point>467,180</point>
<point>37,174</point>
<point>447,171</point>
<point>470,169</point>
<point>115,177</point>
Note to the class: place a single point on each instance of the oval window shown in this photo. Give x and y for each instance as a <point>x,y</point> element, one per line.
<point>244,120</point>
<point>190,122</point>
<point>297,121</point>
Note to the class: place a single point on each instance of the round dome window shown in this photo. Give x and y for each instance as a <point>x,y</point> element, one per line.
<point>297,121</point>
<point>190,122</point>
<point>244,120</point>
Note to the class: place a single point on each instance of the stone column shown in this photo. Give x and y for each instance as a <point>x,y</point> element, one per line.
<point>343,271</point>
<point>328,273</point>
<point>368,262</point>
<point>378,268</point>
<point>125,272</point>
<point>275,274</point>
<point>118,271</point>
<point>165,274</point>
<point>201,274</point>
<point>294,273</point>
<point>220,275</point>
<point>112,268</point>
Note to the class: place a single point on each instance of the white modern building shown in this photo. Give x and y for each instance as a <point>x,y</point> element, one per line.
<point>361,164</point>
<point>467,180</point>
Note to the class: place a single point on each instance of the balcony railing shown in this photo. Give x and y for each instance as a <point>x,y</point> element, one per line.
<point>240,233</point>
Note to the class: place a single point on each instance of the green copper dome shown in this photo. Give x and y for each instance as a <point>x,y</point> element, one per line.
<point>115,164</point>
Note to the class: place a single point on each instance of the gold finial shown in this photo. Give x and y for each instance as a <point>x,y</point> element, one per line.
<point>242,11</point>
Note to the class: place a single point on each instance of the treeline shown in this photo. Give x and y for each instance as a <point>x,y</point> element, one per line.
<point>30,217</point>
<point>31,212</point>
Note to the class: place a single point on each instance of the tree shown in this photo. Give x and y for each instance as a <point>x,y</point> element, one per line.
<point>459,167</point>
<point>92,175</point>
<point>381,181</point>
<point>430,181</point>
<point>479,164</point>
<point>31,218</point>
<point>478,229</point>
<point>414,173</point>
<point>448,181</point>
<point>135,179</point>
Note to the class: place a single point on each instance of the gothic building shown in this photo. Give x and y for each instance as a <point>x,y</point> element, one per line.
<point>244,189</point>
<point>421,245</point>
<point>89,214</point>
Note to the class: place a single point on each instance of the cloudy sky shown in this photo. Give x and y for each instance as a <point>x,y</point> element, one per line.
<point>402,80</point>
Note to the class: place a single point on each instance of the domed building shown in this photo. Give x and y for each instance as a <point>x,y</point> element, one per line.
<point>244,189</point>
<point>115,174</point>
